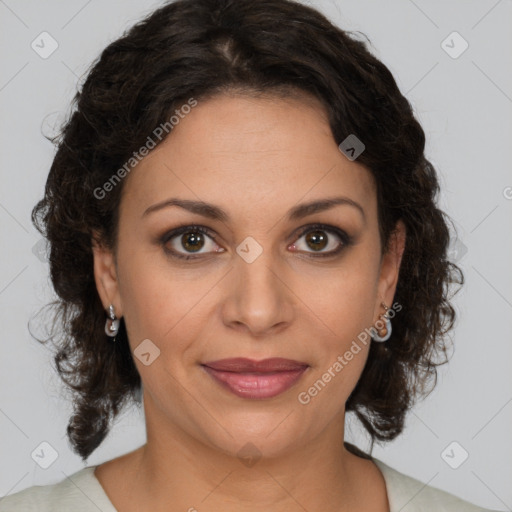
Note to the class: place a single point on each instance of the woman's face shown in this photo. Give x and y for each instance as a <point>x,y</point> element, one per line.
<point>260,283</point>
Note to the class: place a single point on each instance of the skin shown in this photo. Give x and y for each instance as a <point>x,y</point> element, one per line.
<point>255,158</point>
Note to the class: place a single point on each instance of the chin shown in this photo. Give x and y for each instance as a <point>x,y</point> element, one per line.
<point>256,435</point>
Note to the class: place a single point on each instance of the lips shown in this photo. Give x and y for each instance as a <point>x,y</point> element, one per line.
<point>241,364</point>
<point>248,378</point>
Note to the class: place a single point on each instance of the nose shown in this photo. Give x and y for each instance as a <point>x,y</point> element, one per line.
<point>259,300</point>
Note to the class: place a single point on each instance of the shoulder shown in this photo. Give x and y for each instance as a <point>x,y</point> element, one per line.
<point>80,492</point>
<point>408,494</point>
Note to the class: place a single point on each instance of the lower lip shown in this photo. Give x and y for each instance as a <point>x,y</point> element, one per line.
<point>256,385</point>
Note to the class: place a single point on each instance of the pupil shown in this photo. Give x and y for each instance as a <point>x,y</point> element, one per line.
<point>317,238</point>
<point>192,241</point>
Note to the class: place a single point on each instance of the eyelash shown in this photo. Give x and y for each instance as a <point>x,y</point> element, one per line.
<point>345,238</point>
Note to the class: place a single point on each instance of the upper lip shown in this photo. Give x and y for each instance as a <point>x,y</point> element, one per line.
<point>242,364</point>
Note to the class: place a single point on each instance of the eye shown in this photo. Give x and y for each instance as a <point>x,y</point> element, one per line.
<point>186,241</point>
<point>319,237</point>
<point>190,242</point>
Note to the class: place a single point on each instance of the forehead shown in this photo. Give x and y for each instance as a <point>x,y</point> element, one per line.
<point>257,151</point>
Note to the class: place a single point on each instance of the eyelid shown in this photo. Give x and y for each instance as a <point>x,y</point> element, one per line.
<point>179,230</point>
<point>318,226</point>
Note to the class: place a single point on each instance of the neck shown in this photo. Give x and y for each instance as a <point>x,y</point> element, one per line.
<point>322,475</point>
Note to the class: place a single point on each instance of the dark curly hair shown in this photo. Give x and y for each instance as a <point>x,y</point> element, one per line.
<point>199,49</point>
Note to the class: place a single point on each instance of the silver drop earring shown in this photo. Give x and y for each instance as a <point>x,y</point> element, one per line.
<point>112,323</point>
<point>384,333</point>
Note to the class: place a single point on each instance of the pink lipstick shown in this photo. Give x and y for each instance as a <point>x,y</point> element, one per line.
<point>248,378</point>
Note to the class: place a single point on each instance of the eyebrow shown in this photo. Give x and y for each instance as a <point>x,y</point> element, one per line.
<point>215,213</point>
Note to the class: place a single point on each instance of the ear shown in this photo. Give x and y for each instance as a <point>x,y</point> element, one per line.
<point>105,275</point>
<point>390,268</point>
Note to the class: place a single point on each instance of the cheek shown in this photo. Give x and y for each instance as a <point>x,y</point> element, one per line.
<point>342,306</point>
<point>345,310</point>
<point>343,298</point>
<point>157,303</point>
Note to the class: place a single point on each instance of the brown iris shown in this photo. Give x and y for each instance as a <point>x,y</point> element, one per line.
<point>317,240</point>
<point>192,241</point>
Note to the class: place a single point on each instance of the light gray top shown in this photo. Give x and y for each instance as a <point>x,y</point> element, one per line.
<point>82,492</point>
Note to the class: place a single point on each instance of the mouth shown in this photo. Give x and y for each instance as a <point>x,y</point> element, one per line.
<point>251,379</point>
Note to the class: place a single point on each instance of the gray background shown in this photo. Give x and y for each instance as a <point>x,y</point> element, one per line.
<point>465,107</point>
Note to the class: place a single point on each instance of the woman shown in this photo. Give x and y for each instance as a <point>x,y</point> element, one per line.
<point>243,228</point>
